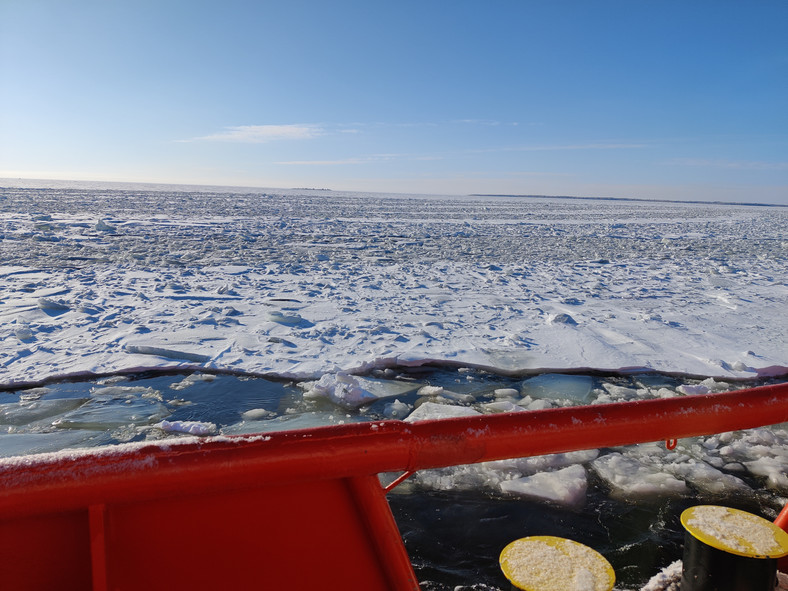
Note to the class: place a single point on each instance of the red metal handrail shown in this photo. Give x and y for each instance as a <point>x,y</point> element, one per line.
<point>125,472</point>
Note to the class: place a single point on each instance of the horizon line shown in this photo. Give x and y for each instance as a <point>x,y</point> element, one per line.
<point>511,195</point>
<point>645,199</point>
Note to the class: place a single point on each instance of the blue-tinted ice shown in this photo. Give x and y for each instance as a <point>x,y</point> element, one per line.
<point>559,387</point>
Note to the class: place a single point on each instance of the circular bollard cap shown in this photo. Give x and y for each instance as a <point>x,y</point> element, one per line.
<point>548,563</point>
<point>735,531</point>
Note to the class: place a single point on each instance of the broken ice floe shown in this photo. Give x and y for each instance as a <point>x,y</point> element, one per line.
<point>191,379</point>
<point>25,412</point>
<point>429,411</point>
<point>558,386</point>
<point>256,414</point>
<point>709,385</point>
<point>110,410</point>
<point>628,478</point>
<point>693,389</point>
<point>306,420</point>
<point>668,579</point>
<point>188,427</point>
<point>502,406</point>
<point>773,468</point>
<point>566,486</point>
<point>396,410</point>
<point>18,444</point>
<point>558,478</point>
<point>167,353</point>
<point>354,391</point>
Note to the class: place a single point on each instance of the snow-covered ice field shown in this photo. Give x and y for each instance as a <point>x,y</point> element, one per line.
<point>305,283</point>
<point>350,297</point>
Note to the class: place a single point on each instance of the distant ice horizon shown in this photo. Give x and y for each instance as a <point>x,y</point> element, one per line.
<point>34,183</point>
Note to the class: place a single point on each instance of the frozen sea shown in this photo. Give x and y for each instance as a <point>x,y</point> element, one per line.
<point>138,313</point>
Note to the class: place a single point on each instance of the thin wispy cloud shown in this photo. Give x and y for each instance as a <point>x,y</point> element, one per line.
<point>370,159</point>
<point>485,122</point>
<point>512,174</point>
<point>728,164</point>
<point>488,122</point>
<point>593,146</point>
<point>257,134</point>
<point>558,147</point>
<point>376,158</point>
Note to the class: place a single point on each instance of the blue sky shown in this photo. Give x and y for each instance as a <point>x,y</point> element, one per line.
<point>648,99</point>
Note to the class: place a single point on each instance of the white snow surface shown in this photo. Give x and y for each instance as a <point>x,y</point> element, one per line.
<point>308,283</point>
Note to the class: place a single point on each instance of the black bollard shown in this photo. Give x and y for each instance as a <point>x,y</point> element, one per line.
<point>727,549</point>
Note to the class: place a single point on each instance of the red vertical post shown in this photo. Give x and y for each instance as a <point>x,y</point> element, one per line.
<point>374,509</point>
<point>782,519</point>
<point>782,523</point>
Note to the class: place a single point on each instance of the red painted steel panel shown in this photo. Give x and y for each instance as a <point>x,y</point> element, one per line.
<point>283,537</point>
<point>47,551</point>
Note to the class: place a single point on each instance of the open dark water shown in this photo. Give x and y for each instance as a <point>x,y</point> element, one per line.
<point>454,539</point>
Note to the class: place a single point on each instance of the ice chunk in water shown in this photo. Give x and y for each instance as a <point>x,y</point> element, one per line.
<point>532,465</point>
<point>385,388</point>
<point>629,479</point>
<point>192,379</point>
<point>109,412</point>
<point>667,579</point>
<point>430,390</point>
<point>502,406</point>
<point>503,393</point>
<point>566,486</point>
<point>773,469</point>
<point>558,386</point>
<point>354,391</point>
<point>691,389</point>
<point>431,410</point>
<point>306,420</point>
<point>707,478</point>
<point>26,411</point>
<point>257,414</point>
<point>537,404</point>
<point>190,427</point>
<point>396,410</point>
<point>18,444</point>
<point>124,392</point>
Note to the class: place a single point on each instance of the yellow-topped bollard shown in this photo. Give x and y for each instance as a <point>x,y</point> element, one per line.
<point>727,549</point>
<point>548,563</point>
